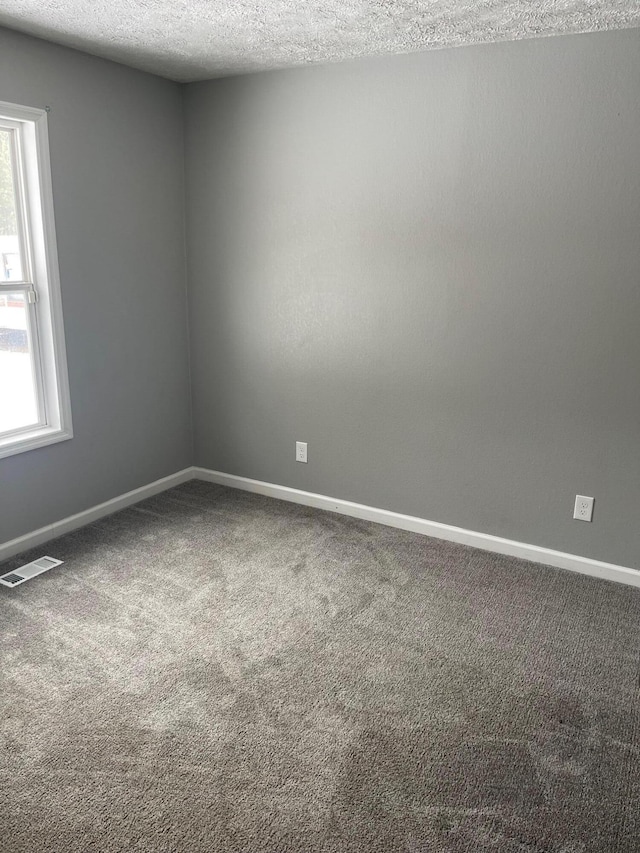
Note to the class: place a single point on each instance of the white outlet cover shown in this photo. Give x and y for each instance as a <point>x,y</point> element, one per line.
<point>583,509</point>
<point>301,451</point>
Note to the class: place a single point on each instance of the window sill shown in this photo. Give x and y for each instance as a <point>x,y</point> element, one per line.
<point>40,437</point>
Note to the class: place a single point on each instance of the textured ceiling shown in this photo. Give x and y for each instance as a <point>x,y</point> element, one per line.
<point>197,39</point>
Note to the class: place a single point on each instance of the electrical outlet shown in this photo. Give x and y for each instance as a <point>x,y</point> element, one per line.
<point>301,451</point>
<point>583,509</point>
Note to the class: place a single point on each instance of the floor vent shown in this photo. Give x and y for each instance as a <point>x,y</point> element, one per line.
<point>25,573</point>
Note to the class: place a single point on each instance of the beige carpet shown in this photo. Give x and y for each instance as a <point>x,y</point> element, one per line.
<point>213,671</point>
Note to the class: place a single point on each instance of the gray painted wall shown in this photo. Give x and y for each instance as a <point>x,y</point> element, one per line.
<point>117,164</point>
<point>428,268</point>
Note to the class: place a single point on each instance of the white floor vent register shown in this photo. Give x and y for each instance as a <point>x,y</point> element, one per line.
<point>25,573</point>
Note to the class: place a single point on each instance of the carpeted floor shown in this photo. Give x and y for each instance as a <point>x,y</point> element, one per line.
<point>213,671</point>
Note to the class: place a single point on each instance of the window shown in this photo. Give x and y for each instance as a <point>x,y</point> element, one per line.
<point>34,394</point>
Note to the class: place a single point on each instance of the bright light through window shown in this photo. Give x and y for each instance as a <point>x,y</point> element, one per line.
<point>17,379</point>
<point>11,268</point>
<point>34,400</point>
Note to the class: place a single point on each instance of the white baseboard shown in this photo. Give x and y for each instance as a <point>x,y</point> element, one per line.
<point>484,541</point>
<point>73,522</point>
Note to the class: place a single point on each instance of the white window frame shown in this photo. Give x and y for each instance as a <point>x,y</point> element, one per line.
<point>40,281</point>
